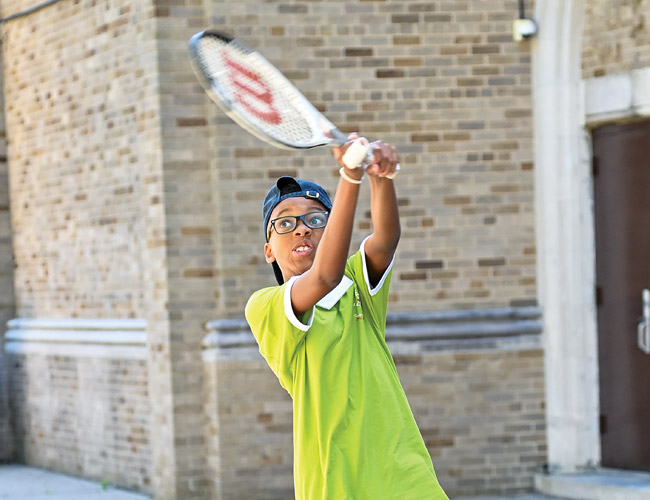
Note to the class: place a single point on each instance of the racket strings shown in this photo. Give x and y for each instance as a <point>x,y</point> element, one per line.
<point>258,92</point>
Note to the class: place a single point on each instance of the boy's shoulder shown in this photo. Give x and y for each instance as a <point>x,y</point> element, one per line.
<point>273,298</point>
<point>265,306</point>
<point>265,296</point>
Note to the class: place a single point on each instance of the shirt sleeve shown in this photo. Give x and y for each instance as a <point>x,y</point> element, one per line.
<point>374,300</point>
<point>279,333</point>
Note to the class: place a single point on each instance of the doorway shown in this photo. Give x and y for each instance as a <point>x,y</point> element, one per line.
<point>621,155</point>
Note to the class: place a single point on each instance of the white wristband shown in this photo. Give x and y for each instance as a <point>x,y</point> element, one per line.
<point>345,176</point>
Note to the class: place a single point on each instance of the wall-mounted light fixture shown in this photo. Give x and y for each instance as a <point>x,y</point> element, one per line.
<point>523,28</point>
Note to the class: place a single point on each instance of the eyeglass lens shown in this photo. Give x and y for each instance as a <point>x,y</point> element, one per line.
<point>313,220</point>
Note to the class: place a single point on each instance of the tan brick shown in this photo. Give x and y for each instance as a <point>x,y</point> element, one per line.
<point>165,192</point>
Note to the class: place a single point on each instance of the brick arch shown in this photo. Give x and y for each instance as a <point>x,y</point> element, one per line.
<point>565,237</point>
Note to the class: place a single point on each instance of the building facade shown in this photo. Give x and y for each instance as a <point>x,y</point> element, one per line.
<point>130,238</point>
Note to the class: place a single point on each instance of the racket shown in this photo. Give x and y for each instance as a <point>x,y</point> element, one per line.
<point>260,99</point>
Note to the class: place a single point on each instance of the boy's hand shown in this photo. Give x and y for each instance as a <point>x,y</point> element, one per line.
<point>339,153</point>
<point>386,160</point>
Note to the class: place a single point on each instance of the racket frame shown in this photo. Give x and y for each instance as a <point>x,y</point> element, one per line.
<point>330,135</point>
<point>359,154</point>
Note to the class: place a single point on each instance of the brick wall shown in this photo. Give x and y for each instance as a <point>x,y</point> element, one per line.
<point>480,411</point>
<point>83,124</point>
<point>76,141</point>
<point>6,287</point>
<point>111,194</point>
<point>444,82</point>
<point>481,414</point>
<point>254,454</point>
<point>191,236</point>
<point>616,37</point>
<point>132,196</point>
<point>84,416</point>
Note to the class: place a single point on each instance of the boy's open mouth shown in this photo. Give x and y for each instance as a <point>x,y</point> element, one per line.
<point>303,248</point>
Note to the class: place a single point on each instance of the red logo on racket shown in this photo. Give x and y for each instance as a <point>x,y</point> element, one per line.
<point>257,99</point>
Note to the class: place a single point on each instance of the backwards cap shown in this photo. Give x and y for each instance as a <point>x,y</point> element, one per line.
<point>288,187</point>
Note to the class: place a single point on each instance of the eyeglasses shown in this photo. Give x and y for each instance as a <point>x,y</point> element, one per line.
<point>313,220</point>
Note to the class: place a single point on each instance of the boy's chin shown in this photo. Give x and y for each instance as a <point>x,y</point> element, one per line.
<point>303,267</point>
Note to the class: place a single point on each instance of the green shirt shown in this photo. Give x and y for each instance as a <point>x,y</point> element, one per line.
<point>354,433</point>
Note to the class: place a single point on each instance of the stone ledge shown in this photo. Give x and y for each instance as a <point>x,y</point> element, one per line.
<point>77,337</point>
<point>600,484</point>
<point>469,324</point>
<point>431,330</point>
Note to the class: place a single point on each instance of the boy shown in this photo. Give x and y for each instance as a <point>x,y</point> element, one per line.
<point>322,332</point>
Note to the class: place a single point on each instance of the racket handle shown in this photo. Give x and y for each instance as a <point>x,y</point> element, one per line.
<point>357,154</point>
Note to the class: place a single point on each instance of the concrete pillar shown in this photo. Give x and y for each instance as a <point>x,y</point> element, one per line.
<point>565,238</point>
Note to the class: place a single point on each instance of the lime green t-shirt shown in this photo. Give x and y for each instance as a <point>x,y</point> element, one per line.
<point>355,436</point>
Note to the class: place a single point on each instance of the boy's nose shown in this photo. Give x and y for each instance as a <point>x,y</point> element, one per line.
<point>302,228</point>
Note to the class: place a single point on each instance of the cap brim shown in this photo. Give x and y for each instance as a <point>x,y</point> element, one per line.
<point>278,273</point>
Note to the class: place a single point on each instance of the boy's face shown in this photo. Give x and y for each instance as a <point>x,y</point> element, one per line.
<point>294,251</point>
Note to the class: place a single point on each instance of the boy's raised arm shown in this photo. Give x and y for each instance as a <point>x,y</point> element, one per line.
<point>381,245</point>
<point>332,254</point>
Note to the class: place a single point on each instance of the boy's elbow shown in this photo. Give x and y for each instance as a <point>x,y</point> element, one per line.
<point>329,281</point>
<point>394,240</point>
<point>386,243</point>
<point>397,235</point>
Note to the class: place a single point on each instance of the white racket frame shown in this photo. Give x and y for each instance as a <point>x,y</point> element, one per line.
<point>324,132</point>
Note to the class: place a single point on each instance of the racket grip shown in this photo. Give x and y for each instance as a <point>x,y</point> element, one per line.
<point>356,155</point>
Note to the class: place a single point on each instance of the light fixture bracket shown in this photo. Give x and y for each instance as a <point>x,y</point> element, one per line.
<point>524,29</point>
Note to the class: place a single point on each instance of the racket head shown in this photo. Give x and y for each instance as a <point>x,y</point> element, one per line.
<point>256,95</point>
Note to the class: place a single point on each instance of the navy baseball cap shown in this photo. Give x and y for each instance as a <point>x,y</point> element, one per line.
<point>288,187</point>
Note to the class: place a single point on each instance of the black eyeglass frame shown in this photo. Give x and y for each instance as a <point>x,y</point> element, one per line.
<point>296,218</point>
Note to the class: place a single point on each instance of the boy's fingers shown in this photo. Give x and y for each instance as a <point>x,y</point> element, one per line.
<point>373,169</point>
<point>386,160</point>
<point>339,151</point>
<point>385,156</point>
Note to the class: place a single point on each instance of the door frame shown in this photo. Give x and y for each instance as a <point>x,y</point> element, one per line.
<point>565,108</point>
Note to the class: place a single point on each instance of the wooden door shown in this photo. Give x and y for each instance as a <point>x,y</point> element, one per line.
<point>622,215</point>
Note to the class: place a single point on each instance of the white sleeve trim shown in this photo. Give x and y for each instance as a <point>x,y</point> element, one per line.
<point>335,295</point>
<point>376,289</point>
<point>288,308</point>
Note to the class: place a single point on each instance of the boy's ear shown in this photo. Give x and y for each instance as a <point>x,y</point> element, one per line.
<point>268,253</point>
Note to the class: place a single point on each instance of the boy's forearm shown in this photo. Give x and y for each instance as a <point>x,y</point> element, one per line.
<point>381,245</point>
<point>329,263</point>
<point>385,215</point>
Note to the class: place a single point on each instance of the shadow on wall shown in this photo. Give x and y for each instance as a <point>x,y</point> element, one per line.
<point>7,307</point>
